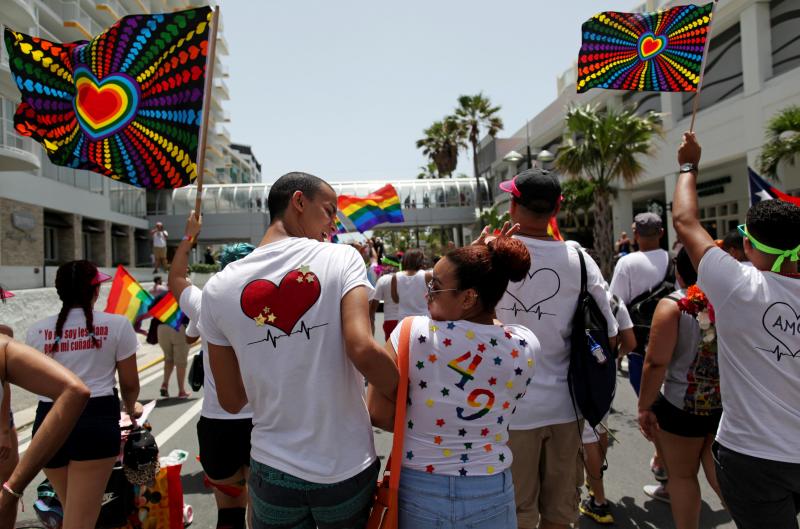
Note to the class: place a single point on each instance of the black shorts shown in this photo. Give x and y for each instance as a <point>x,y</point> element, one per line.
<point>224,446</point>
<point>759,492</point>
<point>96,434</point>
<point>676,421</point>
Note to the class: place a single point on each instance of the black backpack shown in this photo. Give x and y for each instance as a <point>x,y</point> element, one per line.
<point>642,307</point>
<point>592,375</point>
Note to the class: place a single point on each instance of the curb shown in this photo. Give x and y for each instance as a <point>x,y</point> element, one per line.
<point>151,363</point>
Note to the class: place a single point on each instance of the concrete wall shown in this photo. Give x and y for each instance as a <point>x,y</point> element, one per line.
<point>18,246</point>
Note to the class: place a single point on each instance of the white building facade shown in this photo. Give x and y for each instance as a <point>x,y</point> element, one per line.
<point>752,72</point>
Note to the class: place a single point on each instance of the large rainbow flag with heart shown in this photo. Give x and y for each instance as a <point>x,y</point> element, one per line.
<point>376,208</point>
<point>660,52</point>
<point>127,104</point>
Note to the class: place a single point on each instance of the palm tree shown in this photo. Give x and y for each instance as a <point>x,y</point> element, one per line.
<point>782,144</point>
<point>491,218</point>
<point>427,171</point>
<point>476,113</point>
<point>578,200</point>
<point>441,143</point>
<point>603,145</point>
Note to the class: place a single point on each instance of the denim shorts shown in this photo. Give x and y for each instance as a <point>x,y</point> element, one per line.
<point>429,501</point>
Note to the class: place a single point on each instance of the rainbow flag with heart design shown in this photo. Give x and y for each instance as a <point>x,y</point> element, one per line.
<point>661,51</point>
<point>376,208</point>
<point>127,104</point>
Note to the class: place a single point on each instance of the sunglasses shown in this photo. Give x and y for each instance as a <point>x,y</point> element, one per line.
<point>432,291</point>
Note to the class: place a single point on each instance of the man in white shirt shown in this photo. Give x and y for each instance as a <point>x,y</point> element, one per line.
<point>758,345</point>
<point>637,273</point>
<point>545,431</point>
<point>159,235</point>
<point>288,331</point>
<point>391,311</point>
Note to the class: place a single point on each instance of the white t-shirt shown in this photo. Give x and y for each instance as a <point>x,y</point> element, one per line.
<point>280,310</point>
<point>412,293</point>
<point>622,316</point>
<point>465,381</point>
<point>96,367</point>
<point>545,302</point>
<point>190,303</point>
<point>638,272</point>
<point>758,350</point>
<point>160,239</point>
<point>383,292</point>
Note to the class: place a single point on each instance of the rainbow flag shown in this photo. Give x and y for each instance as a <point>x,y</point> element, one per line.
<point>659,51</point>
<point>376,208</point>
<point>127,297</point>
<point>166,310</point>
<point>552,229</point>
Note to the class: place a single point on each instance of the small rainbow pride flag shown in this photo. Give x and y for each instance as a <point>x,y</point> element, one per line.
<point>376,208</point>
<point>166,310</point>
<point>127,297</point>
<point>552,229</point>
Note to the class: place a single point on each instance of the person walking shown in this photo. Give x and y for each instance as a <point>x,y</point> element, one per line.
<point>159,235</point>
<point>546,439</point>
<point>223,438</point>
<point>468,375</point>
<point>757,463</point>
<point>408,285</point>
<point>176,356</point>
<point>391,310</point>
<point>95,346</point>
<point>288,331</point>
<point>682,417</point>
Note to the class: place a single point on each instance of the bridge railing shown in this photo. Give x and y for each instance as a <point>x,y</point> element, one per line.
<point>239,198</point>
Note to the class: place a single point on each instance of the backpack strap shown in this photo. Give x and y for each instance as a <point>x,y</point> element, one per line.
<point>583,272</point>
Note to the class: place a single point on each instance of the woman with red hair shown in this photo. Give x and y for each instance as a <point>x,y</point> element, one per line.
<point>466,372</point>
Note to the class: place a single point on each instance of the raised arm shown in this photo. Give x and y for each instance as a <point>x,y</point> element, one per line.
<point>29,369</point>
<point>685,219</point>
<point>372,360</point>
<point>177,281</point>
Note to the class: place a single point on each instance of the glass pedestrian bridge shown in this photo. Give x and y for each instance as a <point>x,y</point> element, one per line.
<point>239,211</point>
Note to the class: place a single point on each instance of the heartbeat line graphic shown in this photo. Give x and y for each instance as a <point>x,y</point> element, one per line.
<point>533,310</point>
<point>273,338</point>
<point>778,353</point>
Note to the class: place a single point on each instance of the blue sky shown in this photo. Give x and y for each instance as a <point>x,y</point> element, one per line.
<point>344,89</point>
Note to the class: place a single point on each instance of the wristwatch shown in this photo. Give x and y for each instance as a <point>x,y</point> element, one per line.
<point>688,168</point>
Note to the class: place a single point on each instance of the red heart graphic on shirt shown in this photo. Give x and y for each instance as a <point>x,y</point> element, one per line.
<point>281,306</point>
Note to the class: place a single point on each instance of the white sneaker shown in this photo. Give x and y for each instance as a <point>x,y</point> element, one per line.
<point>657,492</point>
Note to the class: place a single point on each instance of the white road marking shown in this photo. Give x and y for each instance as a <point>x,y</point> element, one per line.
<point>178,424</point>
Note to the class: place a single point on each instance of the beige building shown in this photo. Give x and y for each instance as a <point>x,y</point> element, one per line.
<point>752,72</point>
<point>49,214</point>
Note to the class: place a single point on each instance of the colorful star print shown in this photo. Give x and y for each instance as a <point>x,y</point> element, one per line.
<point>493,342</point>
<point>446,452</point>
<point>502,457</point>
<point>447,342</point>
<point>434,328</point>
<point>410,425</point>
<point>514,353</point>
<point>429,403</point>
<point>445,392</point>
<point>470,334</point>
<point>437,440</point>
<point>518,371</point>
<point>451,325</point>
<point>481,347</point>
<point>500,420</point>
<point>432,358</point>
<point>498,437</point>
<point>440,422</point>
<point>523,343</point>
<point>429,469</point>
<point>409,455</point>
<point>464,458</point>
<point>490,469</point>
<point>423,384</point>
<point>462,471</point>
<point>492,381</point>
<point>421,339</point>
<point>467,446</point>
<point>487,447</point>
<point>462,432</point>
<point>485,432</point>
<point>510,384</point>
<point>506,405</point>
<point>420,364</point>
<point>498,360</point>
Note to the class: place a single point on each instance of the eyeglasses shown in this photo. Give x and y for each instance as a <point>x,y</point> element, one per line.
<point>431,291</point>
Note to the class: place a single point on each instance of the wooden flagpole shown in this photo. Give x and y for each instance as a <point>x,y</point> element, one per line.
<point>696,98</point>
<point>201,148</point>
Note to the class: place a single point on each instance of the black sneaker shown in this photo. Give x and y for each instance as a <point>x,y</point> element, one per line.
<point>599,513</point>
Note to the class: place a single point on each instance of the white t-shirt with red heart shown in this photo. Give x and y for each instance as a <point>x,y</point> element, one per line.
<point>280,310</point>
<point>758,352</point>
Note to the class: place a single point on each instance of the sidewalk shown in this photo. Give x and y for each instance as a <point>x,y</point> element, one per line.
<point>23,403</point>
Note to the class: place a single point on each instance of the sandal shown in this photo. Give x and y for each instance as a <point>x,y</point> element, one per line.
<point>164,392</point>
<point>183,395</point>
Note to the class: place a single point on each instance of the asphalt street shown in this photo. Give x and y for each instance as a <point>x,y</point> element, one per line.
<point>174,425</point>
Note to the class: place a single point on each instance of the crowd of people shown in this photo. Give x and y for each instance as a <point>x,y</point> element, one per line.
<point>491,436</point>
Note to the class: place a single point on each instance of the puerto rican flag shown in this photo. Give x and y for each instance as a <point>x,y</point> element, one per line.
<point>761,190</point>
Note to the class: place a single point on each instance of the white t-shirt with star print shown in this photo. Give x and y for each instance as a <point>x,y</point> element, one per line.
<point>464,383</point>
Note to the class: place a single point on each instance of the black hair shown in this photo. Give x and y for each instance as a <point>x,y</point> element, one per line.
<point>733,239</point>
<point>2,296</point>
<point>685,268</point>
<point>413,259</point>
<point>538,207</point>
<point>75,289</point>
<point>775,223</point>
<point>284,187</point>
<point>488,268</point>
<point>156,279</point>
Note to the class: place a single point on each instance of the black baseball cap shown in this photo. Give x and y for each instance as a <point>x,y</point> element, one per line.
<point>537,189</point>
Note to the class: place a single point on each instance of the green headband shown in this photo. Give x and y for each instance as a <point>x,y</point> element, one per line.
<point>794,255</point>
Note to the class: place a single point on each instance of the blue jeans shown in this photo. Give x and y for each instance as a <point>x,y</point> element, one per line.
<point>430,501</point>
<point>635,365</point>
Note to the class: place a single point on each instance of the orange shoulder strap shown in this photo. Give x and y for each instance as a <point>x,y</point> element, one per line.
<point>400,404</point>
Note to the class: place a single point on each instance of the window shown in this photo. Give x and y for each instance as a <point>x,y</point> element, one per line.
<point>785,21</point>
<point>87,246</point>
<point>723,75</point>
<point>719,219</point>
<point>50,244</point>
